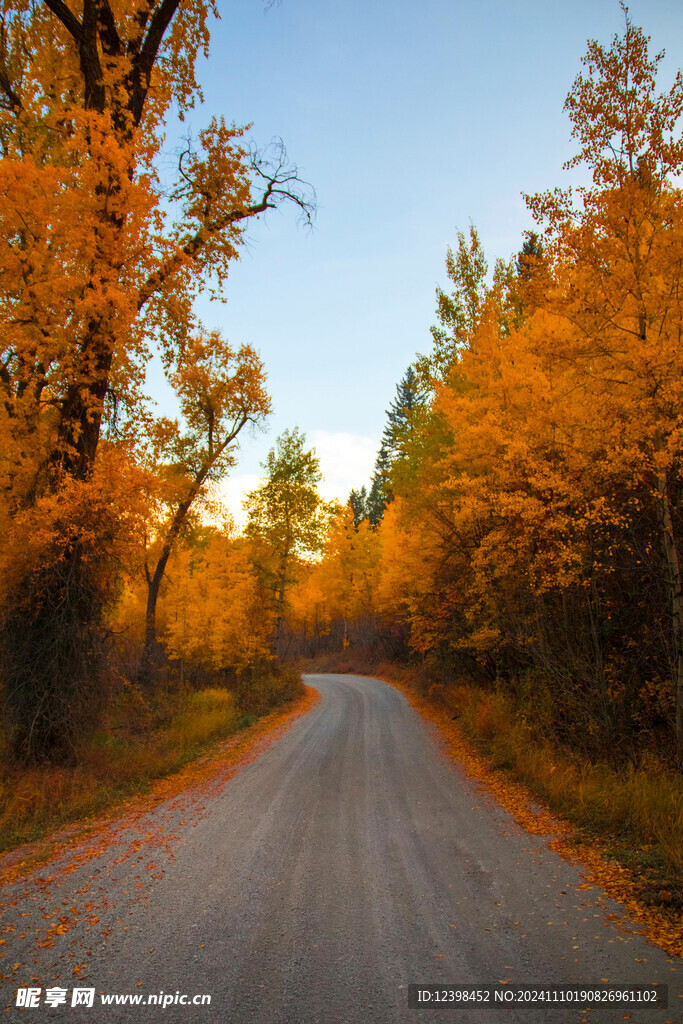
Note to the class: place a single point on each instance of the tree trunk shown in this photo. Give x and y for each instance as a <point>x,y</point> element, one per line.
<point>153,585</point>
<point>154,579</point>
<point>675,598</point>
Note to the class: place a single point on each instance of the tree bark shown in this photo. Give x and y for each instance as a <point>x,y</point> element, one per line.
<point>675,589</point>
<point>154,579</point>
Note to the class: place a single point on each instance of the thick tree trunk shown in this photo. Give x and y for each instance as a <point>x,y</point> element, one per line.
<point>81,420</point>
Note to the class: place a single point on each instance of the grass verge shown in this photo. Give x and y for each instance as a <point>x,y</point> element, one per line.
<point>143,741</point>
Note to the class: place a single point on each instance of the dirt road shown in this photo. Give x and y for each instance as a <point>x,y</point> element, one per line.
<point>348,861</point>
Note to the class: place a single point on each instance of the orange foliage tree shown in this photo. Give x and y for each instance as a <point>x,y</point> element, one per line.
<point>216,615</point>
<point>336,593</point>
<point>619,261</point>
<point>537,523</point>
<point>95,263</point>
<point>220,390</point>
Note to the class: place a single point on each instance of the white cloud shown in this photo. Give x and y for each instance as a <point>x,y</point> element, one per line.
<point>346,461</point>
<point>233,490</point>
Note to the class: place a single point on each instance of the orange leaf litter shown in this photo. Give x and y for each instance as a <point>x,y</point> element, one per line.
<point>188,790</point>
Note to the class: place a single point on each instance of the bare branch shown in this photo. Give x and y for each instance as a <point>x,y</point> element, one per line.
<point>283,179</point>
<point>282,183</point>
<point>187,152</point>
<point>235,429</point>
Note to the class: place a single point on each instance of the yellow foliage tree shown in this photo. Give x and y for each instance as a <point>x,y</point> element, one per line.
<point>286,517</point>
<point>220,391</point>
<point>95,263</point>
<point>547,512</point>
<point>341,584</point>
<point>215,613</point>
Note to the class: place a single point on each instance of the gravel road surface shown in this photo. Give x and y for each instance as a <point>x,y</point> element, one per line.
<point>348,861</point>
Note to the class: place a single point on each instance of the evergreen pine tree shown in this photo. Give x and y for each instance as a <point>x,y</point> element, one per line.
<point>379,496</point>
<point>400,415</point>
<point>358,502</point>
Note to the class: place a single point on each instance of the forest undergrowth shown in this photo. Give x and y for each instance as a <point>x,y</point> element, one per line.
<point>143,738</point>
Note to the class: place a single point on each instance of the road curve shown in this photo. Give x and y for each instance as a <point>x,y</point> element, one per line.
<point>348,861</point>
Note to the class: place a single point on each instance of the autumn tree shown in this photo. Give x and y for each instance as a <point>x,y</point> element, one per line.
<point>91,269</point>
<point>220,390</point>
<point>618,254</point>
<point>215,618</point>
<point>286,515</point>
<point>458,311</point>
<point>332,603</point>
<point>541,532</point>
<point>98,258</point>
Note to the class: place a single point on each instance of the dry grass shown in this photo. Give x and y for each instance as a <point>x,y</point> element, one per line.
<point>640,806</point>
<point>208,714</point>
<point>142,741</point>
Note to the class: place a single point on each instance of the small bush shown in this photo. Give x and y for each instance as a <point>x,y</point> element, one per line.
<point>266,687</point>
<point>213,698</point>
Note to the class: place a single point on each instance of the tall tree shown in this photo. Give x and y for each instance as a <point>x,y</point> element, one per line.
<point>409,399</point>
<point>621,249</point>
<point>402,417</point>
<point>286,515</point>
<point>92,259</point>
<point>379,494</point>
<point>529,255</point>
<point>358,502</point>
<point>95,262</point>
<point>221,390</point>
<point>544,528</point>
<point>457,312</point>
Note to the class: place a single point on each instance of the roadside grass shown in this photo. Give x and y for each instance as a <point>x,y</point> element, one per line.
<point>142,739</point>
<point>639,807</point>
<point>207,715</point>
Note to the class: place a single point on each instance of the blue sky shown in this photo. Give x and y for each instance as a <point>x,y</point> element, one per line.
<point>410,120</point>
